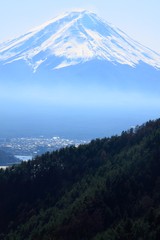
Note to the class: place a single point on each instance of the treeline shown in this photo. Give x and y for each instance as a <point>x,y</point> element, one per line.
<point>107,189</point>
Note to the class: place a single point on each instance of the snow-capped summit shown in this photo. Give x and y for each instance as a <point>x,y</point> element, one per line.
<point>74,38</point>
<point>105,80</point>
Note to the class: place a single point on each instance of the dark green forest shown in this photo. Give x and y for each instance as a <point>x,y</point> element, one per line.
<point>107,189</point>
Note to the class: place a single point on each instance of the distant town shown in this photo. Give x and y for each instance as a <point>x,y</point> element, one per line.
<point>26,148</point>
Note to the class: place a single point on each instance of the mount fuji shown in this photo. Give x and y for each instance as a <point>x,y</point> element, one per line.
<point>77,73</point>
<point>74,38</point>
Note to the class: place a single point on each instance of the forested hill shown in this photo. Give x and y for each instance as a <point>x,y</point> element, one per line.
<point>6,159</point>
<point>106,190</point>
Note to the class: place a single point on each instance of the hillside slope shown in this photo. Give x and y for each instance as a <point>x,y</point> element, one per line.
<point>108,189</point>
<point>7,159</point>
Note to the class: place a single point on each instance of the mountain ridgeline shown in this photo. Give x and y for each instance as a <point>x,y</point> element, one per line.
<point>108,189</point>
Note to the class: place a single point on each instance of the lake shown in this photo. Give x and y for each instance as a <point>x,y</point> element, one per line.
<point>23,158</point>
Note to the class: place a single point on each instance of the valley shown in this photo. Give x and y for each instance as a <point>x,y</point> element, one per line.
<point>24,149</point>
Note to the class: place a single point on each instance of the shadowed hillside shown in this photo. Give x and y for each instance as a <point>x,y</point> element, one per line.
<point>108,189</point>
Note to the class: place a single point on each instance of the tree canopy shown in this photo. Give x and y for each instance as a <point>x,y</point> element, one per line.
<point>107,189</point>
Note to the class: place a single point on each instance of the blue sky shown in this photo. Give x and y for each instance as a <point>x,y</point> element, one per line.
<point>138,18</point>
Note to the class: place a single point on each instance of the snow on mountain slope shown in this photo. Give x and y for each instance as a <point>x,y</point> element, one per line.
<point>74,38</point>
